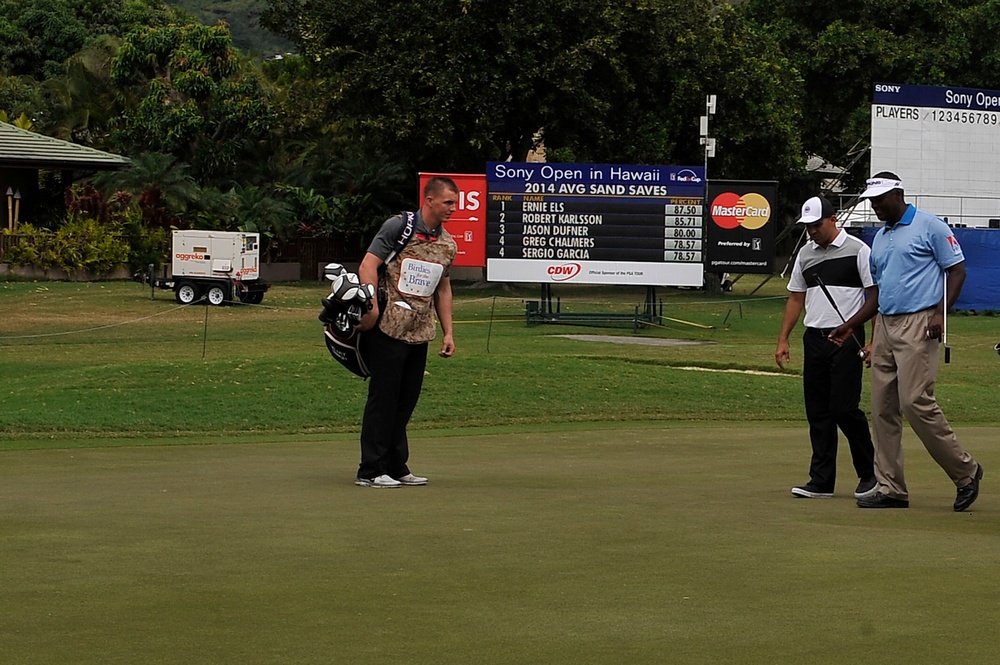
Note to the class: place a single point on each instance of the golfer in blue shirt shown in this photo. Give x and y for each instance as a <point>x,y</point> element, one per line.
<point>912,256</point>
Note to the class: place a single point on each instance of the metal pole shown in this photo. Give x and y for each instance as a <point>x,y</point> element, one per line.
<point>489,332</point>
<point>944,324</point>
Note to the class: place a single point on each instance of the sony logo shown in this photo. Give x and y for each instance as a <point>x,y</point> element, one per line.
<point>881,87</point>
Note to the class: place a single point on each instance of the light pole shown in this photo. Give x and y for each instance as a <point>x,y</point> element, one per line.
<point>707,141</point>
<point>10,209</point>
<point>709,144</point>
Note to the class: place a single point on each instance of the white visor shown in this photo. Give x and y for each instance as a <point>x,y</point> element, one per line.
<point>879,186</point>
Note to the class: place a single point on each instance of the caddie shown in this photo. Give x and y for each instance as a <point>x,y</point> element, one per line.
<point>413,286</point>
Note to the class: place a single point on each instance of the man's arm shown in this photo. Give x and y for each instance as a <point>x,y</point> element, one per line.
<point>840,334</point>
<point>443,306</point>
<point>955,279</point>
<point>368,274</point>
<point>793,309</point>
<point>869,294</point>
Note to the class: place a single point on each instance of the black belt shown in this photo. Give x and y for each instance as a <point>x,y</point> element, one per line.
<point>825,332</point>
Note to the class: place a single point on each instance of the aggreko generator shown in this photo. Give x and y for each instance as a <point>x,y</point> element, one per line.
<point>222,266</point>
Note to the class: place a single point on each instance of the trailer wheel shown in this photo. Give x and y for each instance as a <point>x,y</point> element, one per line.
<point>187,293</point>
<point>216,295</point>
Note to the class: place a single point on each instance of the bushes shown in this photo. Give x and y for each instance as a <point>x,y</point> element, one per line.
<point>97,236</point>
<point>80,244</point>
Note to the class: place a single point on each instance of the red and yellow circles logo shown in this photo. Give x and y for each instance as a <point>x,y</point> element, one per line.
<point>751,211</point>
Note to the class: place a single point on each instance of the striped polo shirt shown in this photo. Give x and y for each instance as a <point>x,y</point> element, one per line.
<point>844,267</point>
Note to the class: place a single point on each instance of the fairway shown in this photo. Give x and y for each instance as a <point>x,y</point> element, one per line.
<point>600,544</point>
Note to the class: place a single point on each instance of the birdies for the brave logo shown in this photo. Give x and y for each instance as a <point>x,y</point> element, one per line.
<point>751,211</point>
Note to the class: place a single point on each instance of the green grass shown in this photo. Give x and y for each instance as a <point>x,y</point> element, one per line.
<point>176,490</point>
<point>103,360</point>
<point>666,544</point>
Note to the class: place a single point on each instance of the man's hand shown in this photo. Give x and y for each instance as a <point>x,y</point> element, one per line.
<point>782,354</point>
<point>867,354</point>
<point>840,334</point>
<point>447,347</point>
<point>370,317</point>
<point>935,326</point>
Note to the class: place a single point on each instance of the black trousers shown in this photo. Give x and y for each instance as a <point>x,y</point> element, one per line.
<point>831,379</point>
<point>397,376</point>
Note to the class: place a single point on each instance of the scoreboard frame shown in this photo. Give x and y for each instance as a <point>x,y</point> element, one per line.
<point>595,224</point>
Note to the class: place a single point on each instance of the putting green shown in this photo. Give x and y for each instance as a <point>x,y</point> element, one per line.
<point>669,544</point>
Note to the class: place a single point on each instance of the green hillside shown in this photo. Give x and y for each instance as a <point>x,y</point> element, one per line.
<point>241,15</point>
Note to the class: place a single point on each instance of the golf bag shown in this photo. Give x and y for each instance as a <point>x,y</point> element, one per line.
<point>350,300</point>
<point>342,311</point>
<point>346,350</point>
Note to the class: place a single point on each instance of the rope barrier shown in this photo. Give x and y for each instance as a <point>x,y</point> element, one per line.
<point>456,304</point>
<point>104,327</point>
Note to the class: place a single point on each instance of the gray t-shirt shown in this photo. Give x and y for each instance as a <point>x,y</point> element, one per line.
<point>385,240</point>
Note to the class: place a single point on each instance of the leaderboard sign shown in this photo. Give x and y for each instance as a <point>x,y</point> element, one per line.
<point>595,223</point>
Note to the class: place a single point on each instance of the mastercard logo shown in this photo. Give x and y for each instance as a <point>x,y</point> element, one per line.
<point>751,211</point>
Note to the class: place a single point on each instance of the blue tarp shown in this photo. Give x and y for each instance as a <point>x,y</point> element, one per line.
<point>982,263</point>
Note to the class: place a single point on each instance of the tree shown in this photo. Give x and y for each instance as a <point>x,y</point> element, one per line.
<point>449,85</point>
<point>81,105</point>
<point>45,33</point>
<point>161,185</point>
<point>193,97</point>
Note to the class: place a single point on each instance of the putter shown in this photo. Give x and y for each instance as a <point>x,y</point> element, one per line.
<point>861,347</point>
<point>944,324</point>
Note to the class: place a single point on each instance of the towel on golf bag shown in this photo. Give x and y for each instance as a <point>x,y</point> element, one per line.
<point>342,311</point>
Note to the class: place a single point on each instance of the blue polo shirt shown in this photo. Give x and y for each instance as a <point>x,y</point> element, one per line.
<point>909,259</point>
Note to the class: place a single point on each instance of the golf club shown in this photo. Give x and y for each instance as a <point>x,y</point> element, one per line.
<point>861,347</point>
<point>944,324</point>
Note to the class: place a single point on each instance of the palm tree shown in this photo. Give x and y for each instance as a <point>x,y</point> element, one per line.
<point>164,188</point>
<point>83,103</point>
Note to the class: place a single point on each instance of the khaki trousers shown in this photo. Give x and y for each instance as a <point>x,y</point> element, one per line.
<point>904,370</point>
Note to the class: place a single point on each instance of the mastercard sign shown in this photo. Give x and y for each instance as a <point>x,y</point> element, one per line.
<point>739,229</point>
<point>730,210</point>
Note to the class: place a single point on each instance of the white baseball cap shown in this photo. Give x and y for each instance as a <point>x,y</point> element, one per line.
<point>878,186</point>
<point>816,209</point>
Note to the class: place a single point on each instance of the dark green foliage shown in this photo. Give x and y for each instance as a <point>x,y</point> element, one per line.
<point>46,33</point>
<point>448,86</point>
<point>241,16</point>
<point>162,186</point>
<point>329,143</point>
<point>82,243</point>
<point>194,97</point>
<point>36,38</point>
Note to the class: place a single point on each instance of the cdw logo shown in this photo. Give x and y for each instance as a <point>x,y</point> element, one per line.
<point>564,272</point>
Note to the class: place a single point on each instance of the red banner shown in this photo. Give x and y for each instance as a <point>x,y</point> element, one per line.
<point>468,224</point>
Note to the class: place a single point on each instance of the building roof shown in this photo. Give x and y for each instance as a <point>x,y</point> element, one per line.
<point>20,148</point>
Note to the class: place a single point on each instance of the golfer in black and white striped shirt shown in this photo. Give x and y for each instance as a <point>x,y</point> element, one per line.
<point>829,279</point>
